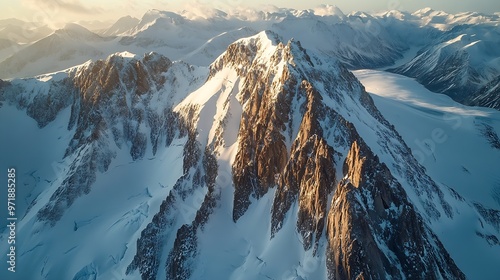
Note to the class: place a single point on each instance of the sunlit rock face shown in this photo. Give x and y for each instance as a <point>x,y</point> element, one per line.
<point>374,231</point>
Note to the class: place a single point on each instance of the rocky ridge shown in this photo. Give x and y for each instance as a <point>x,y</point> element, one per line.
<point>291,140</point>
<point>120,102</point>
<point>295,125</point>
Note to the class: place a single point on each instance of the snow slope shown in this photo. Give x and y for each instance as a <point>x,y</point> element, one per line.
<point>36,167</point>
<point>449,139</point>
<point>436,127</point>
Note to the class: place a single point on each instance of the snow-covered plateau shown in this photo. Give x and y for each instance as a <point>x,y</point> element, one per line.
<point>277,144</point>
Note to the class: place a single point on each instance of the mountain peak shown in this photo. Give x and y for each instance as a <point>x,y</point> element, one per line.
<point>241,53</point>
<point>121,25</point>
<point>70,26</point>
<point>154,14</point>
<point>126,54</point>
<point>154,17</point>
<point>204,13</point>
<point>74,30</point>
<point>329,10</point>
<point>426,10</point>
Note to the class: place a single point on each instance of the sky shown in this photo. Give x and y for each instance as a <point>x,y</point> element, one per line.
<point>59,11</point>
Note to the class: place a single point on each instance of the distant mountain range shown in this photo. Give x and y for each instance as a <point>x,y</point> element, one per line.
<point>461,45</point>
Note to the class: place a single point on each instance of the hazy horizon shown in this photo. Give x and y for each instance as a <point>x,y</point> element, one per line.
<point>55,12</point>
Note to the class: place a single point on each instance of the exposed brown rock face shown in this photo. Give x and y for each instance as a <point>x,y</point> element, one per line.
<point>110,105</point>
<point>309,175</point>
<point>374,232</point>
<point>262,150</point>
<point>280,105</point>
<point>105,86</point>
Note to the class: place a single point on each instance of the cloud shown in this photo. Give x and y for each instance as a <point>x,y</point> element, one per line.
<point>64,6</point>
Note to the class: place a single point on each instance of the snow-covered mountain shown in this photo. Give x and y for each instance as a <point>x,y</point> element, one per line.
<point>463,59</point>
<point>359,42</point>
<point>488,95</point>
<point>455,54</point>
<point>66,47</point>
<point>16,34</point>
<point>446,21</point>
<point>23,32</point>
<point>250,155</point>
<point>354,38</point>
<point>121,26</point>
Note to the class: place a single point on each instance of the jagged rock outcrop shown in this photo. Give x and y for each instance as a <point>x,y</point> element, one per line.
<point>373,230</point>
<point>262,150</point>
<point>122,101</point>
<point>277,100</point>
<point>181,260</point>
<point>168,236</point>
<point>289,139</point>
<point>42,101</point>
<point>309,175</point>
<point>172,235</point>
<point>119,84</point>
<point>108,104</point>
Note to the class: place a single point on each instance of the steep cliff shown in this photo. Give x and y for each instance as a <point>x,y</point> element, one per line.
<point>292,141</point>
<point>373,230</point>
